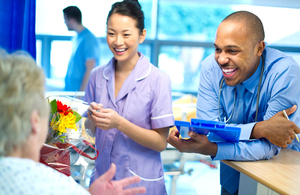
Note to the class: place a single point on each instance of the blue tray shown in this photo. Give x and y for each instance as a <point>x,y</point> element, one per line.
<point>219,128</point>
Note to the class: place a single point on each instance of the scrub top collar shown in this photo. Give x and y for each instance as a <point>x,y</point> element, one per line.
<point>82,32</point>
<point>141,70</point>
<point>251,83</point>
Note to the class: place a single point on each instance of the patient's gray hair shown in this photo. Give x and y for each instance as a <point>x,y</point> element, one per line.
<point>21,92</point>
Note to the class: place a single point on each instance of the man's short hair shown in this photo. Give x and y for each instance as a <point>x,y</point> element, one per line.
<point>73,12</point>
<point>251,21</point>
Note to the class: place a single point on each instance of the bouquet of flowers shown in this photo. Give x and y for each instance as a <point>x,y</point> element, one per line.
<point>64,136</point>
<point>62,118</point>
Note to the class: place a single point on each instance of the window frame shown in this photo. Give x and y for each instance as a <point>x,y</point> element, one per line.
<point>155,45</point>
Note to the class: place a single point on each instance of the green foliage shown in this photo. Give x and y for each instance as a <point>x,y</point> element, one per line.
<point>78,116</point>
<point>53,106</point>
<point>62,139</point>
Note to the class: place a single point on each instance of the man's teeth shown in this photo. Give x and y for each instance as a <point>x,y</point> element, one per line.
<point>228,70</point>
<point>120,50</point>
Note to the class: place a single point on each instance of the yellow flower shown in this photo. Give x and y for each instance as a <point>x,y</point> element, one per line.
<point>67,121</point>
<point>64,122</point>
<point>62,119</point>
<point>55,123</point>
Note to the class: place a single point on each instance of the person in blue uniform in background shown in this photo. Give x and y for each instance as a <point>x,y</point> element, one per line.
<point>85,51</point>
<point>249,85</point>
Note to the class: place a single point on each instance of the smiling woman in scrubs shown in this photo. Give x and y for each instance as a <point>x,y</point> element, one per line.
<point>130,103</point>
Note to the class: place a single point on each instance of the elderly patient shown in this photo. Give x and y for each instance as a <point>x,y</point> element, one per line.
<point>24,117</point>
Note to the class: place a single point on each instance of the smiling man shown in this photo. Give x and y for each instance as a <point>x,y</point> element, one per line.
<point>238,49</point>
<point>248,85</point>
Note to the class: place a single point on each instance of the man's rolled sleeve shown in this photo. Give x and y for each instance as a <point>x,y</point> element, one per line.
<point>246,130</point>
<point>225,151</point>
<point>246,151</point>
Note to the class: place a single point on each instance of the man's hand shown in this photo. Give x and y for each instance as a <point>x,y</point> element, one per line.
<point>196,144</point>
<point>104,185</point>
<point>278,130</point>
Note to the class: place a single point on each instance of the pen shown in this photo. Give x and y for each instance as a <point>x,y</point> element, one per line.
<point>286,116</point>
<point>77,100</point>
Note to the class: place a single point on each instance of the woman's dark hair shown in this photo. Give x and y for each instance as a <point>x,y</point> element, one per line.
<point>130,8</point>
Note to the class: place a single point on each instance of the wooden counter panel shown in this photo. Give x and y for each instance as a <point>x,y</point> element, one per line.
<point>281,173</point>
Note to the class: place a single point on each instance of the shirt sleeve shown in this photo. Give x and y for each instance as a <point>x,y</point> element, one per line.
<point>91,49</point>
<point>161,110</point>
<point>246,130</point>
<point>246,151</point>
<point>207,99</point>
<point>284,90</point>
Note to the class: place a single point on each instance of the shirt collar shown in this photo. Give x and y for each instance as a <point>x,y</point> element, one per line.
<point>141,70</point>
<point>82,32</point>
<point>251,83</point>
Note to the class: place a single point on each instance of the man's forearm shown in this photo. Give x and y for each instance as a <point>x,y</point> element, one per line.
<point>258,130</point>
<point>89,65</point>
<point>277,129</point>
<point>85,81</point>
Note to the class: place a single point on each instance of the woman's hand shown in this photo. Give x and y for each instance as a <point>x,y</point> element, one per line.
<point>155,139</point>
<point>94,107</point>
<point>104,118</point>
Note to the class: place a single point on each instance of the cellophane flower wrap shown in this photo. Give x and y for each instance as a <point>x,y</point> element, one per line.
<point>64,144</point>
<point>62,121</point>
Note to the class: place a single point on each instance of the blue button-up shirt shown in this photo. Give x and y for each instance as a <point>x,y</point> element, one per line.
<point>279,91</point>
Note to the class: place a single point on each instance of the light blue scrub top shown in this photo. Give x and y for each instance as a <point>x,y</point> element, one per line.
<point>145,99</point>
<point>85,46</point>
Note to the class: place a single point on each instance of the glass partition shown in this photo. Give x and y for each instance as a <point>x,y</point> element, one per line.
<point>192,21</point>
<point>180,34</point>
<point>50,19</point>
<point>183,65</point>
